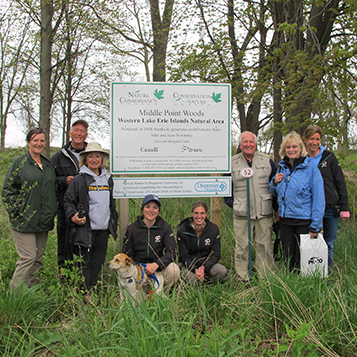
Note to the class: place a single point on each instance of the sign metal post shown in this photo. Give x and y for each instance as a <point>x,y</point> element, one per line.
<point>248,173</point>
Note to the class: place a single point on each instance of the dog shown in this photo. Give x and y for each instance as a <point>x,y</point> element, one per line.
<point>132,277</point>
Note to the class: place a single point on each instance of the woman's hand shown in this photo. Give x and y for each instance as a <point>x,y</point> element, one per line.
<point>151,268</point>
<point>278,178</point>
<point>313,235</point>
<point>79,221</point>
<point>200,273</point>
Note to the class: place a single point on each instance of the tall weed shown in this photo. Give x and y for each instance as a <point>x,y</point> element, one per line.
<point>279,315</point>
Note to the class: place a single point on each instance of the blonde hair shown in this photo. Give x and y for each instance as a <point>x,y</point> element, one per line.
<point>292,136</point>
<point>83,159</point>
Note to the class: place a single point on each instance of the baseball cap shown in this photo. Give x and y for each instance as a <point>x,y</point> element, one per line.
<point>149,198</point>
<point>80,121</point>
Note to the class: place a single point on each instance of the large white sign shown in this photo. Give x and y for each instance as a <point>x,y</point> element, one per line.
<point>161,128</point>
<point>172,187</point>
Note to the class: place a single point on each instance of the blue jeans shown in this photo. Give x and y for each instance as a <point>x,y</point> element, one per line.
<point>330,226</point>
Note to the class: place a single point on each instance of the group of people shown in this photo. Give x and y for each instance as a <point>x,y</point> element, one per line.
<point>307,192</point>
<point>150,240</point>
<point>76,186</point>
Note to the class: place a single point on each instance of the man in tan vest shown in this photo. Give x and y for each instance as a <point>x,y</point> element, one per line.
<point>261,207</point>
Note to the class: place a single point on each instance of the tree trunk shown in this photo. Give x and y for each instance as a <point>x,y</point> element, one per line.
<point>301,54</point>
<point>45,70</point>
<point>161,29</point>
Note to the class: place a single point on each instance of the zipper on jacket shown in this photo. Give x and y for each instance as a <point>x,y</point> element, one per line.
<point>288,180</point>
<point>148,251</point>
<point>64,151</point>
<point>198,248</point>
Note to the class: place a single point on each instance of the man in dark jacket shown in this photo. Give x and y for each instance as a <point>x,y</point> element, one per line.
<point>66,165</point>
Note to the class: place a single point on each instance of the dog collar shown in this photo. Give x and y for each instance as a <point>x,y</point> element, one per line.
<point>130,279</point>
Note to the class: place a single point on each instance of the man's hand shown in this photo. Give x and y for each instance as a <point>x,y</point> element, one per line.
<point>68,180</point>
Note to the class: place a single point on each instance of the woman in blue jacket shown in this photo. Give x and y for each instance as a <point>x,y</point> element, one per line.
<point>300,191</point>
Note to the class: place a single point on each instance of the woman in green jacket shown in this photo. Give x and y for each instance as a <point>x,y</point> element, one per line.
<point>29,196</point>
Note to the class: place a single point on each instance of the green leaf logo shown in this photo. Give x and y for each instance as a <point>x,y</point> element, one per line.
<point>216,97</point>
<point>159,94</point>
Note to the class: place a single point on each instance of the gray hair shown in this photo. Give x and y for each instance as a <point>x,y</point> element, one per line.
<point>246,132</point>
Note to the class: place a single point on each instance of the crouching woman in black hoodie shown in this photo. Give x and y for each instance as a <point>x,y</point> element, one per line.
<point>150,241</point>
<point>199,245</point>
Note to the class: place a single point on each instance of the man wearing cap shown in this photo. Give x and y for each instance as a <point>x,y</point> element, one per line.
<point>150,241</point>
<point>66,165</point>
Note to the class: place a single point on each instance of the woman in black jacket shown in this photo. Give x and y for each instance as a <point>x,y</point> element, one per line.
<point>199,245</point>
<point>334,184</point>
<point>90,210</point>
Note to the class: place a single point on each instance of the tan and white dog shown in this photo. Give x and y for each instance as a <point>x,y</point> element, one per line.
<point>133,278</point>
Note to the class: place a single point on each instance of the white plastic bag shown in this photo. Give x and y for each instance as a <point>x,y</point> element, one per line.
<point>313,255</point>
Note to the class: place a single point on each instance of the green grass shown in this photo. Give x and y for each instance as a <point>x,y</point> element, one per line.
<point>280,315</point>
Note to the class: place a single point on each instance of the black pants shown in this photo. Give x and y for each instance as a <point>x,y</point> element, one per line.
<point>290,238</point>
<point>62,249</point>
<point>93,259</point>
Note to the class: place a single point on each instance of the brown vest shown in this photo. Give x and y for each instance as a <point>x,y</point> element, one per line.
<point>260,197</point>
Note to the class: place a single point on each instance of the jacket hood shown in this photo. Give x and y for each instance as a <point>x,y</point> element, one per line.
<point>84,169</point>
<point>185,221</point>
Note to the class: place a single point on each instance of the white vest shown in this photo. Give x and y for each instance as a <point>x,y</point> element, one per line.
<point>261,201</point>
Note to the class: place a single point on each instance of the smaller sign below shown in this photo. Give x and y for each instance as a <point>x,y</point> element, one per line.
<point>138,187</point>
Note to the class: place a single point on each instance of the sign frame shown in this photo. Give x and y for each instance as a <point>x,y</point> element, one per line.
<point>164,187</point>
<point>211,106</point>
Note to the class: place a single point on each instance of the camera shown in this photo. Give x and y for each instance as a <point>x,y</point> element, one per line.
<point>336,211</point>
<point>81,211</point>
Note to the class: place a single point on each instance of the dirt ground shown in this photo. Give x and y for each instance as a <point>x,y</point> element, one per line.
<point>351,176</point>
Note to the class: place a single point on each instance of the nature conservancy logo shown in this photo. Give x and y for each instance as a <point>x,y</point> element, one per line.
<point>159,94</point>
<point>137,97</point>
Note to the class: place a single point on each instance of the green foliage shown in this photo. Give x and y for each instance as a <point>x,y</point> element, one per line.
<point>280,315</point>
